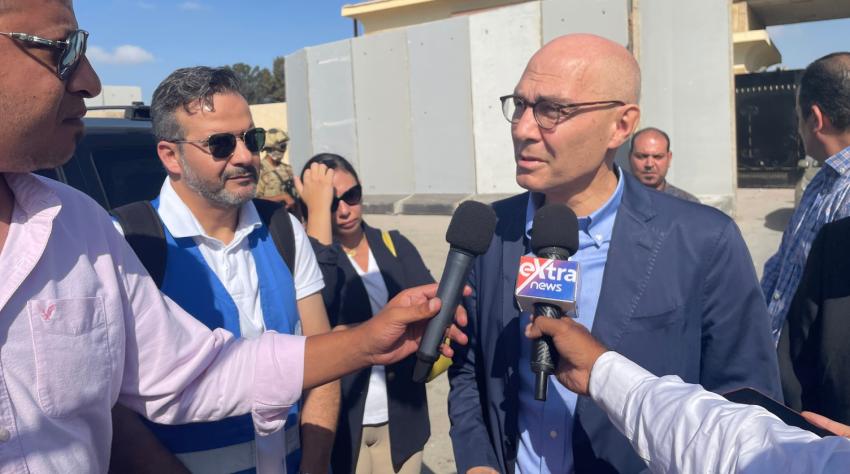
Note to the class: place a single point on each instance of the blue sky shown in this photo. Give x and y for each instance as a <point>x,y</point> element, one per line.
<point>802,43</point>
<point>139,42</point>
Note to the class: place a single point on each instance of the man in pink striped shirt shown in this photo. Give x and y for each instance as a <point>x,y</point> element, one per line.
<point>81,323</point>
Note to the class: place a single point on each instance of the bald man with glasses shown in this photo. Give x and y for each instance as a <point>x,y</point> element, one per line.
<point>668,283</point>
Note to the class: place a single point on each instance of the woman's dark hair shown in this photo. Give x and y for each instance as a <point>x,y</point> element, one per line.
<point>332,161</point>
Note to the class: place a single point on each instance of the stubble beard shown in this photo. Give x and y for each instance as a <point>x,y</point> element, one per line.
<point>217,192</point>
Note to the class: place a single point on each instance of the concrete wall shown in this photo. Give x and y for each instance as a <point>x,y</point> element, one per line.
<point>382,102</point>
<point>116,95</point>
<point>298,118</point>
<point>331,92</point>
<point>441,119</point>
<point>686,61</point>
<point>417,110</point>
<point>501,42</point>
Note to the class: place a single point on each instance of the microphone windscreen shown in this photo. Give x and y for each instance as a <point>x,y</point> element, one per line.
<point>555,225</point>
<point>471,228</point>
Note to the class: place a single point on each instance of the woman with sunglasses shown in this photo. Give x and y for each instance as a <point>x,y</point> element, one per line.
<point>383,424</point>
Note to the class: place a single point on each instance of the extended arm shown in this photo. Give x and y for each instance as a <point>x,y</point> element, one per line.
<point>321,404</point>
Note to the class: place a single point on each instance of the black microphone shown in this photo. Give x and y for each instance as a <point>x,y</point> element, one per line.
<point>548,285</point>
<point>469,235</point>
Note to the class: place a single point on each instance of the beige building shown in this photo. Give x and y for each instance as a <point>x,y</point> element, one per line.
<point>752,47</point>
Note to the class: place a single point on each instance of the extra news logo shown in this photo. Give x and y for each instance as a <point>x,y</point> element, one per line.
<point>541,280</point>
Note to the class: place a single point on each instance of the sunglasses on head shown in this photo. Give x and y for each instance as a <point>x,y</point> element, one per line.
<point>71,50</point>
<point>352,197</point>
<point>222,145</point>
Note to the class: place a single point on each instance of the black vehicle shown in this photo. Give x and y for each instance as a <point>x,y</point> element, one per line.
<point>116,161</point>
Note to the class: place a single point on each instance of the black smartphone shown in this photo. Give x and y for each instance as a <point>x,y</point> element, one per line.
<point>751,396</point>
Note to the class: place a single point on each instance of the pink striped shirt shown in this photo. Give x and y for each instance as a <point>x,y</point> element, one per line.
<point>83,326</point>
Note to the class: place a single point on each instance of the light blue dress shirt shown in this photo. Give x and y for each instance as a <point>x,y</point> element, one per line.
<point>546,428</point>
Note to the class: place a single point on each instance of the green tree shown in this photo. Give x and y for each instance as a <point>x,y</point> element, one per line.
<point>260,85</point>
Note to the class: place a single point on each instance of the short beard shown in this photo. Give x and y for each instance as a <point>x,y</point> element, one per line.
<point>217,193</point>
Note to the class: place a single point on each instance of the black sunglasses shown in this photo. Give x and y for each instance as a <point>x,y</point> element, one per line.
<point>71,50</point>
<point>222,145</point>
<point>352,197</point>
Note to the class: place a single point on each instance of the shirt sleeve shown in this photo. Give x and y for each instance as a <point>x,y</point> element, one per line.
<point>679,427</point>
<point>307,275</point>
<point>176,370</point>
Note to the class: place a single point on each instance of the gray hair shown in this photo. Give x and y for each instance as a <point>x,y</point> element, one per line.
<point>183,88</point>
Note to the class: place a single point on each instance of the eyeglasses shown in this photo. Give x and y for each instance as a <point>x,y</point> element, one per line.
<point>547,114</point>
<point>222,145</point>
<point>71,50</point>
<point>352,197</point>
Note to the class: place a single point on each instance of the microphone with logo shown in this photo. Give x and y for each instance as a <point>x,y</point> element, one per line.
<point>469,234</point>
<point>548,284</point>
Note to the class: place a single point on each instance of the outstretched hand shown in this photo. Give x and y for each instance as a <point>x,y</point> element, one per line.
<point>578,350</point>
<point>395,332</point>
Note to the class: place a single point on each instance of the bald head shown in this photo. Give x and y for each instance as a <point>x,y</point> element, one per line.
<point>604,68</point>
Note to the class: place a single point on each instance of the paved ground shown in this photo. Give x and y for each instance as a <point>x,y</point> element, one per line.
<point>761,216</point>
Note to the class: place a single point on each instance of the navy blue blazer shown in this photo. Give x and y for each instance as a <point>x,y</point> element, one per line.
<point>679,296</point>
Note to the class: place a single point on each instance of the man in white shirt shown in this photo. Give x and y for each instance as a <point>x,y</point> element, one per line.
<point>679,427</point>
<point>223,267</point>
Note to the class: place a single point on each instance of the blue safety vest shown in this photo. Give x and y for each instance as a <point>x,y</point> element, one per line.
<point>192,284</point>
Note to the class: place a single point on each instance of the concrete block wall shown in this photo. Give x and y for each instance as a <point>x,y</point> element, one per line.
<point>416,109</point>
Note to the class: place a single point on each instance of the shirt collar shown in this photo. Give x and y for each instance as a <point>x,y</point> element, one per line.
<point>177,216</point>
<point>840,162</point>
<point>32,193</point>
<point>599,224</point>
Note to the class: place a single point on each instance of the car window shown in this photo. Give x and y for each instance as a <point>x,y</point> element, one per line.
<point>128,174</point>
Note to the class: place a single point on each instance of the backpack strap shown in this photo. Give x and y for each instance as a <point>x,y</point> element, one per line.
<point>143,231</point>
<point>276,218</point>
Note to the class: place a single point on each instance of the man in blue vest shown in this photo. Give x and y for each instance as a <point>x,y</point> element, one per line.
<point>223,267</point>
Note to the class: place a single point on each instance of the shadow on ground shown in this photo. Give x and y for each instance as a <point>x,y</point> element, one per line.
<point>778,219</point>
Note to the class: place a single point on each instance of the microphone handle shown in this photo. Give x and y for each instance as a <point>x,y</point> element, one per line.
<point>458,264</point>
<point>542,349</point>
<point>541,352</point>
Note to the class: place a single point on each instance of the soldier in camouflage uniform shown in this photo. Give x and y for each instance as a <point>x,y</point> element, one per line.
<point>276,182</point>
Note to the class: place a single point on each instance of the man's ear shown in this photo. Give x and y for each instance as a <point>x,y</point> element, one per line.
<point>169,156</point>
<point>819,121</point>
<point>625,125</point>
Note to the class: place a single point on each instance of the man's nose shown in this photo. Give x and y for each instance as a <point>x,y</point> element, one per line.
<point>84,80</point>
<point>526,128</point>
<point>241,154</point>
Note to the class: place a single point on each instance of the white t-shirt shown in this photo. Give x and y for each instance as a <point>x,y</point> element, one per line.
<point>376,410</point>
<point>233,263</point>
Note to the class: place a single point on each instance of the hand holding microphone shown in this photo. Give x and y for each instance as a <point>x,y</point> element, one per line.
<point>548,285</point>
<point>576,350</point>
<point>469,235</point>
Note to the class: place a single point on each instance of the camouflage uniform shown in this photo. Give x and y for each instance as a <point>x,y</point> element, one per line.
<point>275,179</point>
